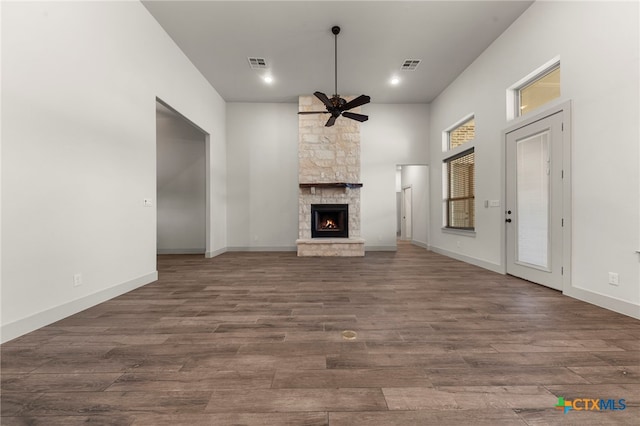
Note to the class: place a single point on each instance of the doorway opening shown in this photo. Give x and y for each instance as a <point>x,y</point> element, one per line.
<point>412,203</point>
<point>406,213</point>
<point>181,184</point>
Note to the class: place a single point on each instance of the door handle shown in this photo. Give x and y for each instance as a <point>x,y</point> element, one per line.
<point>508,220</point>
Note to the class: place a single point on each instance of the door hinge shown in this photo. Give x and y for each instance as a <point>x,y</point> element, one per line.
<point>562,270</point>
<point>562,223</point>
<point>563,127</point>
<point>562,174</point>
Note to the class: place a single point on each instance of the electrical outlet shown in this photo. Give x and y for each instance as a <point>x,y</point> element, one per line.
<point>458,244</point>
<point>77,280</point>
<point>613,278</point>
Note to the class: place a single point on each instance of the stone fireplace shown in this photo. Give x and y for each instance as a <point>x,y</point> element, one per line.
<point>328,176</point>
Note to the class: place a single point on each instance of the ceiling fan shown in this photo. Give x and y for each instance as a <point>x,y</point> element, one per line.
<point>337,106</point>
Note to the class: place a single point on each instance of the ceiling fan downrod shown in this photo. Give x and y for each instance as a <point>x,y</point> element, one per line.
<point>335,30</point>
<point>337,106</point>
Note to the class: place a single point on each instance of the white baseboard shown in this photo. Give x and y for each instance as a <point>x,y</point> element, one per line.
<point>180,251</point>
<point>265,248</point>
<point>33,322</point>
<point>598,299</point>
<point>495,267</point>
<point>420,244</point>
<point>604,301</point>
<point>215,253</point>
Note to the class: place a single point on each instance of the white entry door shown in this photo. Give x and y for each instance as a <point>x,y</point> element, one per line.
<point>533,211</point>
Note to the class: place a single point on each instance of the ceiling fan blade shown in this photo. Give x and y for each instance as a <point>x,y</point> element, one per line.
<point>324,98</point>
<point>313,112</point>
<point>354,116</point>
<point>360,100</point>
<point>331,121</point>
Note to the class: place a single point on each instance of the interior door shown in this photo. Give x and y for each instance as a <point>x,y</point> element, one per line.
<point>533,215</point>
<point>406,213</point>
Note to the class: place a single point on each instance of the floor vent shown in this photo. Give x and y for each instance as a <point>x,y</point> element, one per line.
<point>349,335</point>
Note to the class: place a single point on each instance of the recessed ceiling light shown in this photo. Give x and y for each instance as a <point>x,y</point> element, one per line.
<point>395,80</point>
<point>268,79</point>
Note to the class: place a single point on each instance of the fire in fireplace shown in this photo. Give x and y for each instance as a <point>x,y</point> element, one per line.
<point>329,221</point>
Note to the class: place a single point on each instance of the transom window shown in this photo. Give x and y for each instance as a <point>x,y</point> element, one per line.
<point>461,134</point>
<point>542,89</point>
<point>460,191</point>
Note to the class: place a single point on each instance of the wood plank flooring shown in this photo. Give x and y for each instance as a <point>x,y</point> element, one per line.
<point>256,339</point>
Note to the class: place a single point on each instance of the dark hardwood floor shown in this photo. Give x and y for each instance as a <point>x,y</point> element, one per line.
<point>256,339</point>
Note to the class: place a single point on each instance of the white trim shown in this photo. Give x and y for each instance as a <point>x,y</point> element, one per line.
<point>565,108</point>
<point>491,266</point>
<point>604,301</point>
<point>512,107</point>
<point>456,231</point>
<point>420,244</point>
<point>403,213</point>
<point>41,319</point>
<point>215,253</point>
<point>181,251</point>
<point>467,146</point>
<point>207,190</point>
<point>265,248</point>
<point>445,132</point>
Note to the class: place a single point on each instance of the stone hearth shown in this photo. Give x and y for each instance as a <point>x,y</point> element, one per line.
<point>328,173</point>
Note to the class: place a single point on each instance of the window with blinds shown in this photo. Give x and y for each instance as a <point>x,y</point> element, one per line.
<point>460,200</point>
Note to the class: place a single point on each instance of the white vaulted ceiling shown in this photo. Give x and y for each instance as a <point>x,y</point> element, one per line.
<point>295,39</point>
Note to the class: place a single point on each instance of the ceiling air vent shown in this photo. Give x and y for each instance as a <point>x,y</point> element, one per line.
<point>410,64</point>
<point>257,63</point>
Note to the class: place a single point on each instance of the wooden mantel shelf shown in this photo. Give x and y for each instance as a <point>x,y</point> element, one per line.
<point>331,185</point>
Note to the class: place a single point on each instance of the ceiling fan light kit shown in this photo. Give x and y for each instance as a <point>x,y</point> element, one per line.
<point>337,106</point>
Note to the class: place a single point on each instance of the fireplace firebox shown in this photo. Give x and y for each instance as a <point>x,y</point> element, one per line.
<point>329,220</point>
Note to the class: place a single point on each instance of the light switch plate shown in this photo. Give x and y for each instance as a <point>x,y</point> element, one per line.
<point>148,202</point>
<point>494,203</point>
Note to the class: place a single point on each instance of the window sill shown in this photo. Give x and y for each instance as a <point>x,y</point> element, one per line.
<point>465,232</point>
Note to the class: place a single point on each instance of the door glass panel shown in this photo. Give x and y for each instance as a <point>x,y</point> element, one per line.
<point>532,186</point>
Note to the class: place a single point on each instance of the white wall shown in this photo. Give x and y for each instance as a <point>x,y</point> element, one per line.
<point>79,87</point>
<point>598,44</point>
<point>395,134</point>
<point>263,171</point>
<point>181,189</point>
<point>262,183</point>
<point>417,177</point>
